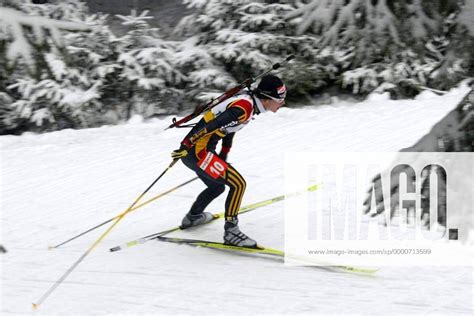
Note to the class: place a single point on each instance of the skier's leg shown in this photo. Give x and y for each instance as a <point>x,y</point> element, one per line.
<point>237,186</point>
<point>215,187</point>
<point>213,190</point>
<point>232,233</point>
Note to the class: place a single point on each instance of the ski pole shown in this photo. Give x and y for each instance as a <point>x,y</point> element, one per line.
<point>92,247</point>
<point>229,93</point>
<point>133,209</point>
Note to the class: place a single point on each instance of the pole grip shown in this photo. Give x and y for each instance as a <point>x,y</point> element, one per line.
<point>278,65</point>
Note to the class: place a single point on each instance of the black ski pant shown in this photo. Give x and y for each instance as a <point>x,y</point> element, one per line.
<point>215,187</point>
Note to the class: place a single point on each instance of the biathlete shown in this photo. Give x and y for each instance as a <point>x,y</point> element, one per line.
<point>198,153</point>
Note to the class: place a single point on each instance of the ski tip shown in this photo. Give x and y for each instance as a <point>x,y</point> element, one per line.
<point>51,247</point>
<point>315,187</point>
<point>35,306</point>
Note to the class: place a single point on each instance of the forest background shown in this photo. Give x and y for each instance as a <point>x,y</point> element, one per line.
<point>62,66</point>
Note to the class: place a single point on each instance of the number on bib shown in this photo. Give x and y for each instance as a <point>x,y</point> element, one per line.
<point>213,165</point>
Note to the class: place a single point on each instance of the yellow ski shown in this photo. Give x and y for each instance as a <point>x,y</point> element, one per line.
<point>259,249</point>
<point>218,245</point>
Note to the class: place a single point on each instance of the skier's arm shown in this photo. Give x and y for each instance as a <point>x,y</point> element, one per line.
<point>226,145</point>
<point>237,112</point>
<point>232,114</point>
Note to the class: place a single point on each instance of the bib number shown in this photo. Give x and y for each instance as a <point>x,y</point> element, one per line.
<point>213,165</point>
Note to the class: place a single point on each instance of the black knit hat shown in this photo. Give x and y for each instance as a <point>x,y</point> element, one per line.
<point>271,86</point>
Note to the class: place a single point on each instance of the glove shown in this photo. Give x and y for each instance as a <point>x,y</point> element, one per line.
<point>179,153</point>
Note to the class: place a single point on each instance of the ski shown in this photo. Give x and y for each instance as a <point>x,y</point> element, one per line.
<point>242,210</point>
<point>259,250</point>
<point>218,245</point>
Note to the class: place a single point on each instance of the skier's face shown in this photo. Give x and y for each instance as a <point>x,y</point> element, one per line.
<point>272,104</point>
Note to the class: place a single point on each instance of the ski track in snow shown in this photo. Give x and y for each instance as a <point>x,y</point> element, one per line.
<point>56,185</point>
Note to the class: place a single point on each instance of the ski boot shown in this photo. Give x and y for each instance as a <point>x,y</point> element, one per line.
<point>233,236</point>
<point>191,220</point>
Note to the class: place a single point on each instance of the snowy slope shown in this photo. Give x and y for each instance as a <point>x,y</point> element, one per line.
<point>56,185</point>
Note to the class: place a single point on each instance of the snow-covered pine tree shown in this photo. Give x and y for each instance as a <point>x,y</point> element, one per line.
<point>37,76</point>
<point>206,76</point>
<point>5,108</point>
<point>238,39</point>
<point>455,46</point>
<point>392,41</point>
<point>148,72</point>
<point>91,62</point>
<point>370,27</point>
<point>29,29</point>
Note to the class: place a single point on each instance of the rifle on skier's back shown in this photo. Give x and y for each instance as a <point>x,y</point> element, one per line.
<point>228,94</point>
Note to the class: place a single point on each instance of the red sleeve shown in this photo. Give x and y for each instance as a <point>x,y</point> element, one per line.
<point>246,106</point>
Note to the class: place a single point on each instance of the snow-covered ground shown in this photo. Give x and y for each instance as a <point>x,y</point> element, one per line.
<point>56,185</point>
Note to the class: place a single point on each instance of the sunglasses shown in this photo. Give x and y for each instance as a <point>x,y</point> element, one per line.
<point>278,100</point>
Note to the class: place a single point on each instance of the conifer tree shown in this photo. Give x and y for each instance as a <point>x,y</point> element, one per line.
<point>33,69</point>
<point>243,38</point>
<point>396,45</point>
<point>148,71</point>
